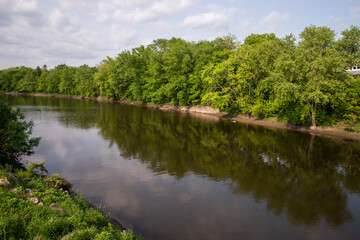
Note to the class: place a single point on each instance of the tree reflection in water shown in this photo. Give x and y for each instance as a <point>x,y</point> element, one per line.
<point>305,176</point>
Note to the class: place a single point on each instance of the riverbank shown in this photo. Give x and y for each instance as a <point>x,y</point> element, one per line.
<point>337,132</point>
<point>34,206</point>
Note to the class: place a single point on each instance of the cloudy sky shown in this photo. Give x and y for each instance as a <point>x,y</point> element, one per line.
<point>76,32</point>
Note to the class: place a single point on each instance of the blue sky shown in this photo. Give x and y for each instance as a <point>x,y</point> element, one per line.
<point>76,32</point>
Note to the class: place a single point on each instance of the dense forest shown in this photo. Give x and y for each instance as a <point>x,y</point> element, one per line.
<point>303,81</point>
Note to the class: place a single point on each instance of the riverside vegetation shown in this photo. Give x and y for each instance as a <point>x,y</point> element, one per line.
<point>302,82</point>
<point>34,206</point>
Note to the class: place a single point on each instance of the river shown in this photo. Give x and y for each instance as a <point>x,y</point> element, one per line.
<point>170,175</point>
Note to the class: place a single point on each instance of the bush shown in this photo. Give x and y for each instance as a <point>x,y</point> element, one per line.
<point>14,135</point>
<point>55,228</point>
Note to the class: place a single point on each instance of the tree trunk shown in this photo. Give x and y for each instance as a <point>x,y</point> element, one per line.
<point>313,124</point>
<point>311,143</point>
<point>249,92</point>
<point>249,99</point>
<point>310,149</point>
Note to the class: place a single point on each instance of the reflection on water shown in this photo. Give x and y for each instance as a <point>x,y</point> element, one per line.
<point>176,176</point>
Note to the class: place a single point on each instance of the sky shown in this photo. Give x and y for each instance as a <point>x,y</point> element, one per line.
<point>76,32</point>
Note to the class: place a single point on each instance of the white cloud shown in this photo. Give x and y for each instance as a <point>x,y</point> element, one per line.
<point>355,13</point>
<point>34,32</point>
<point>18,6</point>
<point>334,18</point>
<point>62,22</point>
<point>23,12</point>
<point>81,5</point>
<point>273,20</point>
<point>214,19</point>
<point>57,43</point>
<point>152,11</point>
<point>245,24</point>
<point>164,26</point>
<point>129,11</point>
<point>24,5</point>
<point>57,18</point>
<point>62,37</point>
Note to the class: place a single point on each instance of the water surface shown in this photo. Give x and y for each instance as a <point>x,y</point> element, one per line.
<point>171,175</point>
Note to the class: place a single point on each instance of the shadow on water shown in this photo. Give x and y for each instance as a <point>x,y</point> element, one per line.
<point>306,177</point>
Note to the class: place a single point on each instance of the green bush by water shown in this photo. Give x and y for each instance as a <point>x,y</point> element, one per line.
<point>71,218</point>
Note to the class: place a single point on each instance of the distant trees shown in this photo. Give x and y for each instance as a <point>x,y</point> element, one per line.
<point>303,82</point>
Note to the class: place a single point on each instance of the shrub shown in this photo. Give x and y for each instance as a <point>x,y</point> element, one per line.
<point>15,134</point>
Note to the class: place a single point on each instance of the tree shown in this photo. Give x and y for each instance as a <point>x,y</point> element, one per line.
<point>321,71</point>
<point>280,87</point>
<point>38,71</point>
<point>28,82</point>
<point>258,38</point>
<point>42,83</point>
<point>222,85</point>
<point>104,78</point>
<point>350,44</point>
<point>84,81</point>
<point>67,80</point>
<point>15,134</point>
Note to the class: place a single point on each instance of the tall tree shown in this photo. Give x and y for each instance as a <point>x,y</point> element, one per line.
<point>84,81</point>
<point>322,76</point>
<point>15,134</point>
<point>350,44</point>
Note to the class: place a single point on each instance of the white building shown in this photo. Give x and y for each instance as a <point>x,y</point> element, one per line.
<point>354,70</point>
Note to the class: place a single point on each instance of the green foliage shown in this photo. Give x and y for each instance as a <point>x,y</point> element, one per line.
<point>265,76</point>
<point>55,227</point>
<point>72,219</point>
<point>37,166</point>
<point>322,79</point>
<point>22,79</point>
<point>15,134</point>
<point>24,175</point>
<point>349,44</point>
<point>258,38</point>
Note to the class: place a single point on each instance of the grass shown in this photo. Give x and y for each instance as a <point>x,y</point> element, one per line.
<point>33,207</point>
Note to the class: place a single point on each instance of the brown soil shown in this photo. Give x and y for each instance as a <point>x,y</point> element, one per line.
<point>274,123</point>
<point>197,110</point>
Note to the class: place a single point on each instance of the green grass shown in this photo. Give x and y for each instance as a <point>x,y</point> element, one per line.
<point>71,219</point>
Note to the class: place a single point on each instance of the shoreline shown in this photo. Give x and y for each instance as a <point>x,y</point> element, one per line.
<point>331,132</point>
<point>57,191</point>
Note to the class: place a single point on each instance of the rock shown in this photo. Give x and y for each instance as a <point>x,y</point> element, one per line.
<point>4,182</point>
<point>34,200</point>
<point>53,205</point>
<point>70,235</point>
<point>58,183</point>
<point>29,192</point>
<point>39,237</point>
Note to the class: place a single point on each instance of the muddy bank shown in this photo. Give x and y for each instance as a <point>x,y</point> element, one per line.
<point>274,123</point>
<point>206,111</point>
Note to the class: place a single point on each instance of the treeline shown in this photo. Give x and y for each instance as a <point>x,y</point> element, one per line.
<point>303,82</point>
